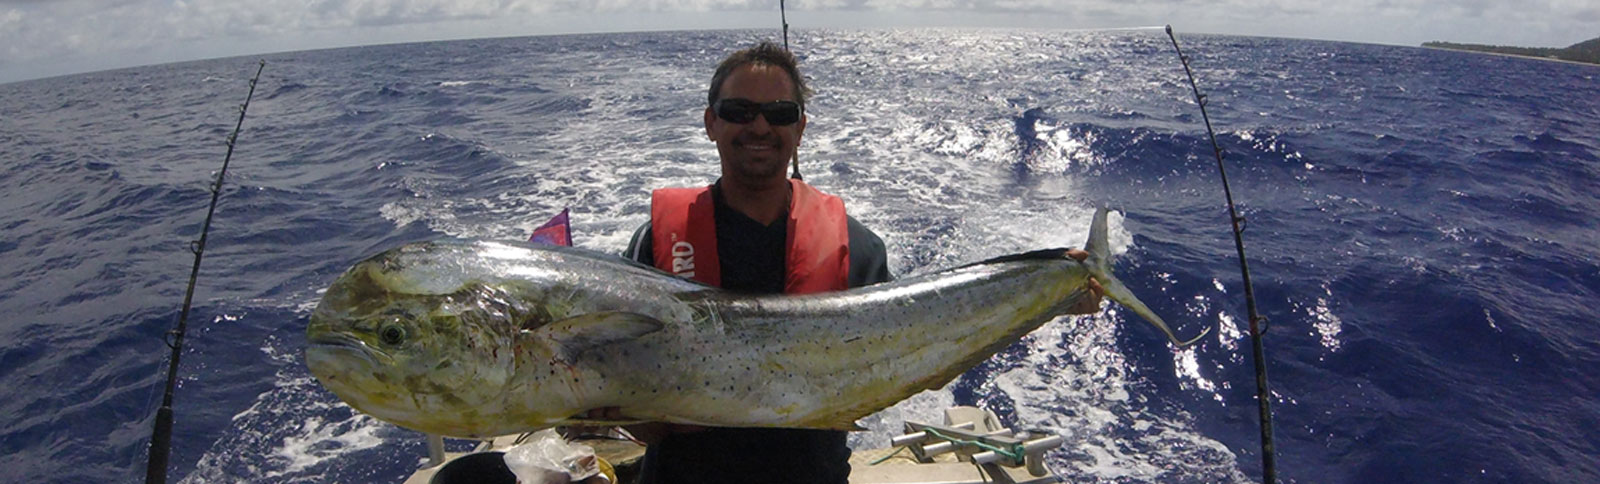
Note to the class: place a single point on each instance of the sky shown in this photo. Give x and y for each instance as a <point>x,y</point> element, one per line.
<point>43,38</point>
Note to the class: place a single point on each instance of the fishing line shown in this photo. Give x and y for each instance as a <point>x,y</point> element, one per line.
<point>161,438</point>
<point>1258,323</point>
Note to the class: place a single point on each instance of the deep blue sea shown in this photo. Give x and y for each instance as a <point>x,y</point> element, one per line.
<point>1422,233</point>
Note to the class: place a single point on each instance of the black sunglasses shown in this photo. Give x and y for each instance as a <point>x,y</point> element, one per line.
<point>741,111</point>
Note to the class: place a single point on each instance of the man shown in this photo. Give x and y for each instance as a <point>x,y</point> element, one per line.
<point>754,116</point>
<point>754,230</point>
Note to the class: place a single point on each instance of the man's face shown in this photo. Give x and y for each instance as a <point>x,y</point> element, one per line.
<point>756,151</point>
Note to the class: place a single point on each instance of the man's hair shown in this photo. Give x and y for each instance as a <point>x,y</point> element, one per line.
<point>766,53</point>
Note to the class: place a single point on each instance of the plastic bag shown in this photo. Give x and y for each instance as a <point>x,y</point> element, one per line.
<point>546,458</point>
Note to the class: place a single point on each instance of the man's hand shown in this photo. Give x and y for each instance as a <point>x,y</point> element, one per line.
<point>1091,304</point>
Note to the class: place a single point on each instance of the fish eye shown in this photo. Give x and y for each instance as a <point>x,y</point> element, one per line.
<point>392,334</point>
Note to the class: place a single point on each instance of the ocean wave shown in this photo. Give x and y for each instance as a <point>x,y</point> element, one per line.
<point>1421,238</point>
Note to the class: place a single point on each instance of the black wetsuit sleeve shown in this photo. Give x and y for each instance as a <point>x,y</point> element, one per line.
<point>869,261</point>
<point>640,248</point>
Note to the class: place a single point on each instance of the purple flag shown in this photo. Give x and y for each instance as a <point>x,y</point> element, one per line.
<point>558,231</point>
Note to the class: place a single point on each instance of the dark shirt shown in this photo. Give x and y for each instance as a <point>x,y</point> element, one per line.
<point>752,257</point>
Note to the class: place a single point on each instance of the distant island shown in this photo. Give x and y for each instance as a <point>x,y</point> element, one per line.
<point>1587,51</point>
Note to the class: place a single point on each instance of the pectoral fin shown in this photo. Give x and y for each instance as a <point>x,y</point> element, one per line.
<point>575,335</point>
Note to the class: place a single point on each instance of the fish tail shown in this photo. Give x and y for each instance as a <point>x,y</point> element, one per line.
<point>1099,266</point>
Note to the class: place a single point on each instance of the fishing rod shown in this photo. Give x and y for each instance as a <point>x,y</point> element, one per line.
<point>784,17</point>
<point>1258,323</point>
<point>161,438</point>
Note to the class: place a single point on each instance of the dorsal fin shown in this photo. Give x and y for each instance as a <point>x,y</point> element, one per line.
<point>1041,254</point>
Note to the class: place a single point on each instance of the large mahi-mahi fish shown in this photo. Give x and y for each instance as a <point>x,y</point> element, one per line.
<point>476,339</point>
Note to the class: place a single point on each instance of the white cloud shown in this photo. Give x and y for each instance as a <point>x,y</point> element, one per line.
<point>41,35</point>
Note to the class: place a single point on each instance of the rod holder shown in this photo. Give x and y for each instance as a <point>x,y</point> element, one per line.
<point>435,450</point>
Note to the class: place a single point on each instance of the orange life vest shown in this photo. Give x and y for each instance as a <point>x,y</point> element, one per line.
<point>817,257</point>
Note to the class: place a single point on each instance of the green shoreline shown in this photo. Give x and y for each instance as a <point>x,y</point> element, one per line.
<point>1586,52</point>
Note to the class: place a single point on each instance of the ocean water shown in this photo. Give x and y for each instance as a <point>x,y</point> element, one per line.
<point>1421,231</point>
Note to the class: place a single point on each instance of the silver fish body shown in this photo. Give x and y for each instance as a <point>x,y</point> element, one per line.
<point>474,339</point>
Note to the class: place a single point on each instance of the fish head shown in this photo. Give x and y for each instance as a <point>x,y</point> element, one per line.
<point>399,340</point>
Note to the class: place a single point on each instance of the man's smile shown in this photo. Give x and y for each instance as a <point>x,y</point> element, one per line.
<point>758,145</point>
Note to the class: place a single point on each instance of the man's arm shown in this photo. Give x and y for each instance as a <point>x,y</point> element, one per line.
<point>869,261</point>
<point>640,248</point>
